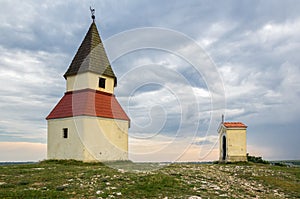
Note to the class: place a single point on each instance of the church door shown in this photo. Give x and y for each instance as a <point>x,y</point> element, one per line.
<point>224,147</point>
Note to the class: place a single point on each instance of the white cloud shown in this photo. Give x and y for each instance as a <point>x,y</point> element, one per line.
<point>201,92</point>
<point>270,34</point>
<point>215,32</point>
<point>264,94</point>
<point>29,82</point>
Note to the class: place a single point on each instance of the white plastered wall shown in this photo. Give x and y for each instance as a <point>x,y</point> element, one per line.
<point>89,80</point>
<point>236,144</point>
<point>89,139</point>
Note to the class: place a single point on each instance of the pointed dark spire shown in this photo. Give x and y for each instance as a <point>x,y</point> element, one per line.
<point>91,56</point>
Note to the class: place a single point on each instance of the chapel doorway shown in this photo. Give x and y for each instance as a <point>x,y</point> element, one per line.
<point>224,148</point>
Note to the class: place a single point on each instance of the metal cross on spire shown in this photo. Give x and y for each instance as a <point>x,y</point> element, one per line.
<point>92,12</point>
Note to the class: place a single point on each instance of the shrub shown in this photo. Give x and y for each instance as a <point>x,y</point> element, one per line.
<point>256,159</point>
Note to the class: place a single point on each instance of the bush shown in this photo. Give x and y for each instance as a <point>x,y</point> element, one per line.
<point>256,159</point>
<point>280,164</point>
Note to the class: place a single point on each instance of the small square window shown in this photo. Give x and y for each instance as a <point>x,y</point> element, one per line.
<point>102,82</point>
<point>65,132</point>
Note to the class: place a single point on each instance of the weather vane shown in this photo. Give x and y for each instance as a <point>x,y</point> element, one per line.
<point>92,12</point>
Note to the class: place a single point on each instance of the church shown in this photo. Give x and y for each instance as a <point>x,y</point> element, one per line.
<point>232,141</point>
<point>88,123</point>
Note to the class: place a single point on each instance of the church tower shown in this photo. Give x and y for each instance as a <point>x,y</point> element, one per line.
<point>232,140</point>
<point>88,123</point>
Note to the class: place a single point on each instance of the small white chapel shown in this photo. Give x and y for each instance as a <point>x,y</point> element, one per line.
<point>232,141</point>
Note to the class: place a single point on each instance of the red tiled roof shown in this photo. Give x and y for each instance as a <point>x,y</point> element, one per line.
<point>234,125</point>
<point>90,103</point>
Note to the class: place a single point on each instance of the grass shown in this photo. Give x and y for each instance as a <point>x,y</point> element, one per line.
<point>74,179</point>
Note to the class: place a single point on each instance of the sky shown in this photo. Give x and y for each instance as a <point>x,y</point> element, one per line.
<point>202,59</point>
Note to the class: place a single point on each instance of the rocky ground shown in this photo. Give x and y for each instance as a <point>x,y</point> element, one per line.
<point>71,179</point>
<point>234,181</point>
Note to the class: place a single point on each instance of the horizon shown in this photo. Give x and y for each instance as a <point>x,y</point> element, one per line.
<point>191,162</point>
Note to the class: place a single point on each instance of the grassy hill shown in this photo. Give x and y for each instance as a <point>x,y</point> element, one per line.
<point>72,179</point>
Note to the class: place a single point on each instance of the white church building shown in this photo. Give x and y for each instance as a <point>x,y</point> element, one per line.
<point>88,123</point>
<point>232,142</point>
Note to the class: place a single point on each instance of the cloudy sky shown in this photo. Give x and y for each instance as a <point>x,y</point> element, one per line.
<point>250,53</point>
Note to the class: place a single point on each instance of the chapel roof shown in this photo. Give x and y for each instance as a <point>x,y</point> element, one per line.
<point>91,56</point>
<point>234,125</point>
<point>88,102</point>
